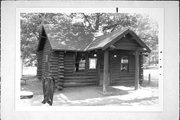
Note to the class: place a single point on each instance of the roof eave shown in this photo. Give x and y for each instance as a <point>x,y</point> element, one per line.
<point>67,50</point>
<point>138,40</point>
<point>115,39</point>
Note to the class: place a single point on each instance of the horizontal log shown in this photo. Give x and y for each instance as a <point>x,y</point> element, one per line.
<point>60,83</point>
<point>120,78</point>
<point>61,66</point>
<point>54,62</point>
<point>79,74</point>
<point>127,73</point>
<point>69,64</point>
<point>60,63</point>
<point>123,83</point>
<point>61,58</point>
<point>81,81</point>
<point>77,84</point>
<point>61,70</point>
<point>124,78</point>
<point>61,76</point>
<point>81,77</point>
<point>68,60</point>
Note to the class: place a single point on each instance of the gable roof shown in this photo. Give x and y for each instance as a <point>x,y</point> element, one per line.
<point>102,41</point>
<point>59,41</point>
<point>74,43</point>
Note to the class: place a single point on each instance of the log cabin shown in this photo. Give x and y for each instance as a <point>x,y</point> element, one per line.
<point>111,59</point>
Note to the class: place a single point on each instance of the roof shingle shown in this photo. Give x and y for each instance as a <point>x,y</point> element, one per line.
<point>71,42</point>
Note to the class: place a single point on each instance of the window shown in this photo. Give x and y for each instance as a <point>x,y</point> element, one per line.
<point>92,60</point>
<point>92,63</point>
<point>124,63</point>
<point>80,63</point>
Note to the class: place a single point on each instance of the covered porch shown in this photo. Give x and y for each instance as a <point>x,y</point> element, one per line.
<point>121,67</point>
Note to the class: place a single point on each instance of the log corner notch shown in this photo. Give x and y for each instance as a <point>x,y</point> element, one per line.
<point>106,71</point>
<point>137,53</point>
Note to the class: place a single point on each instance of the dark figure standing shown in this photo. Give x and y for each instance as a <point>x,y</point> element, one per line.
<point>48,90</point>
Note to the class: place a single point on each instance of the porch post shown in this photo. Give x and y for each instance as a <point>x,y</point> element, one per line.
<point>136,70</point>
<point>106,70</point>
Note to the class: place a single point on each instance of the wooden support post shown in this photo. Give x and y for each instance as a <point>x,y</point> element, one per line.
<point>137,70</point>
<point>106,70</point>
<point>98,68</point>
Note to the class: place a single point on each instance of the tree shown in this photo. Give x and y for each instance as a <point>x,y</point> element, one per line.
<point>82,26</point>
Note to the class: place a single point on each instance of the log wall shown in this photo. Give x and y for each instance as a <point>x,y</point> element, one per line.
<point>39,64</point>
<point>60,80</point>
<point>54,68</point>
<point>80,78</point>
<point>61,66</point>
<point>117,76</point>
<point>52,65</point>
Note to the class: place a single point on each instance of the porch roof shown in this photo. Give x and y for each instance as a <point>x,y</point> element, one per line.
<point>71,42</point>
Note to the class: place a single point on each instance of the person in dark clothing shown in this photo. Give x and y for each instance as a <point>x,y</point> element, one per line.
<point>48,89</point>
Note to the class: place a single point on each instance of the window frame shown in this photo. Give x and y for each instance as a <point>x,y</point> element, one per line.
<point>95,63</point>
<point>126,64</point>
<point>75,62</point>
<point>92,55</point>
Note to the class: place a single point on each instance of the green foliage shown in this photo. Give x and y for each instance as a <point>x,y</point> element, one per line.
<point>83,26</point>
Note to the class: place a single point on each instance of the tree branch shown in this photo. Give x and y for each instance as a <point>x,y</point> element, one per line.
<point>109,27</point>
<point>86,18</point>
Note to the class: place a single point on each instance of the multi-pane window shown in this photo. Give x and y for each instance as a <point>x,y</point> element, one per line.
<point>92,61</point>
<point>80,63</point>
<point>85,61</point>
<point>124,63</point>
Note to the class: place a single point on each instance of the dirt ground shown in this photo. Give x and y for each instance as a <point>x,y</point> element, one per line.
<point>93,95</point>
